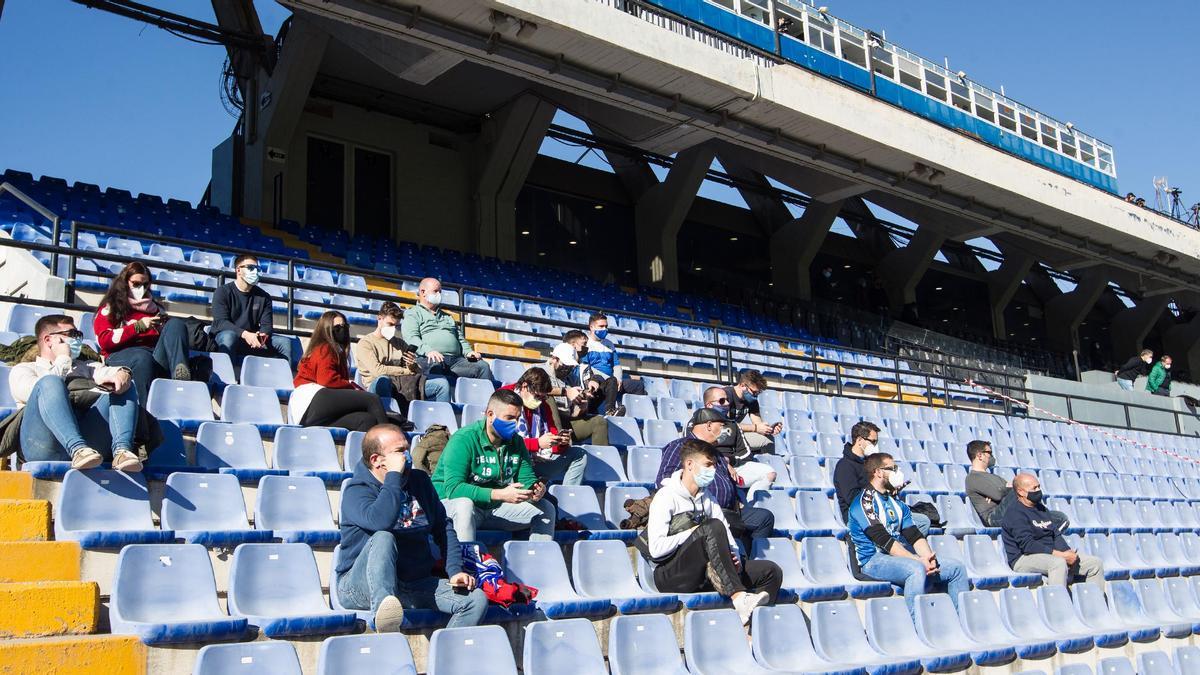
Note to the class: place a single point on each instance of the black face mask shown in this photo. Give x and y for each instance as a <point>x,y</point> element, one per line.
<point>1035,497</point>
<point>341,333</point>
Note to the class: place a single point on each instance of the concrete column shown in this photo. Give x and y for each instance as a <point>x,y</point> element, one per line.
<point>794,246</point>
<point>1130,326</point>
<point>660,212</point>
<point>902,268</point>
<point>508,145</point>
<point>1065,312</point>
<point>1003,283</point>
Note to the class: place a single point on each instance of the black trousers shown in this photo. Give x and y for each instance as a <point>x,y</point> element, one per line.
<point>687,570</point>
<point>748,524</point>
<point>346,408</point>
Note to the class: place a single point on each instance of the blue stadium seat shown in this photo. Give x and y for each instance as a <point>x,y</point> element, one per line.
<point>714,643</point>
<point>957,515</point>
<point>1187,660</point>
<point>985,562</point>
<point>250,658</point>
<point>567,646</point>
<point>1181,600</point>
<point>472,390</point>
<point>624,431</point>
<point>24,317</point>
<point>170,455</point>
<point>601,569</point>
<point>685,389</point>
<point>604,466</point>
<point>890,632</point>
<point>674,409</point>
<point>385,653</point>
<point>614,503</point>
<point>660,432</point>
<point>297,509</point>
<point>232,448</point>
<point>540,564</point>
<point>453,651</point>
<point>507,372</point>
<point>639,407</point>
<point>208,509</point>
<point>106,509</point>
<point>1100,614</point>
<point>424,413</point>
<point>277,588</point>
<point>782,552</point>
<point>824,562</point>
<point>645,643</point>
<point>1154,663</point>
<point>1157,609</point>
<point>837,631</point>
<point>253,405</point>
<point>1020,615</point>
<point>187,404</point>
<point>1127,605</point>
<point>1059,614</point>
<point>272,373</point>
<point>1150,546</point>
<point>643,462</point>
<point>579,503</point>
<point>1114,665</point>
<point>780,505</point>
<point>308,451</point>
<point>780,641</point>
<point>472,413</point>
<point>938,625</point>
<point>816,517</point>
<point>166,593</point>
<point>808,474</point>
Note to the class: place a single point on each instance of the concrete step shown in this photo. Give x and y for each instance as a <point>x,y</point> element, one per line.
<point>16,485</point>
<point>47,608</point>
<point>31,561</point>
<point>73,655</point>
<point>24,520</point>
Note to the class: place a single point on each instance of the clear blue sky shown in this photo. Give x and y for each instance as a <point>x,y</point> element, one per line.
<point>99,98</point>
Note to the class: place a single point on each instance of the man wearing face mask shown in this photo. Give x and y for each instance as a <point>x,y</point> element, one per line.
<point>242,321</point>
<point>550,448</point>
<point>602,363</point>
<point>60,423</point>
<point>485,478</point>
<point>440,341</point>
<point>388,365</point>
<point>743,409</point>
<point>1033,544</point>
<point>746,522</point>
<point>389,513</point>
<point>849,475</point>
<point>887,544</point>
<point>690,544</point>
<point>990,494</point>
<point>1159,380</point>
<point>1134,368</point>
<point>743,468</point>
<point>571,398</point>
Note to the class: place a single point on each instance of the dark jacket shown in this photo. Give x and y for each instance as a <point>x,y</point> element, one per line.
<point>237,311</point>
<point>848,478</point>
<point>1133,368</point>
<point>1159,380</point>
<point>1028,531</point>
<point>369,506</point>
<point>722,490</point>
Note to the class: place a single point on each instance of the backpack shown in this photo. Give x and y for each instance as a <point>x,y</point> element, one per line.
<point>929,511</point>
<point>429,448</point>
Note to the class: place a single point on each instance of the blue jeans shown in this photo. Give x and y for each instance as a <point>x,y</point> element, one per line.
<point>436,389</point>
<point>922,523</point>
<point>569,466</point>
<point>148,365</point>
<point>373,578</point>
<point>910,574</point>
<point>538,517</point>
<point>230,342</point>
<point>454,367</point>
<point>1127,385</point>
<point>53,430</point>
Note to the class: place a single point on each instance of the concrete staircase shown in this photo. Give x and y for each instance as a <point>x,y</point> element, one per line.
<point>48,615</point>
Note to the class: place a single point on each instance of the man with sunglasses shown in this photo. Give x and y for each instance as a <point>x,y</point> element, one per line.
<point>745,471</point>
<point>743,409</point>
<point>242,321</point>
<point>991,495</point>
<point>549,447</point>
<point>65,422</point>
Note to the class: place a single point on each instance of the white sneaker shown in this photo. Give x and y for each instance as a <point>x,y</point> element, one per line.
<point>126,461</point>
<point>389,615</point>
<point>745,604</point>
<point>86,458</point>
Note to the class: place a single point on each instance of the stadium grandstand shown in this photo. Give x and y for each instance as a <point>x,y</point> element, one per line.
<point>927,328</point>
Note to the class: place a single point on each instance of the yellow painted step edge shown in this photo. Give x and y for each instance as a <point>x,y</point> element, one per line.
<point>26,561</point>
<point>24,520</point>
<point>16,485</point>
<point>45,608</point>
<point>75,655</point>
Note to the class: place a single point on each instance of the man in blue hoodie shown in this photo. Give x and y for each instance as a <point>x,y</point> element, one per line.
<point>389,511</point>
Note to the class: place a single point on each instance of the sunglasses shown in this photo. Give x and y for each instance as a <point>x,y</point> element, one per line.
<point>71,333</point>
<point>722,400</point>
<point>252,268</point>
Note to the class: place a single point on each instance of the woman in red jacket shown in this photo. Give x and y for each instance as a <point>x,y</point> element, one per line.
<point>134,331</point>
<point>325,396</point>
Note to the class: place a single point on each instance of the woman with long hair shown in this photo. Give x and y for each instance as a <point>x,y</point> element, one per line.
<point>325,396</point>
<point>134,331</point>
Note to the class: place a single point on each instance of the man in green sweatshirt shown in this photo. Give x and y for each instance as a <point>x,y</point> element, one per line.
<point>485,479</point>
<point>1159,381</point>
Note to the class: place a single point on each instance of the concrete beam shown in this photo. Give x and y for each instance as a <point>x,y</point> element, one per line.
<point>839,194</point>
<point>405,60</point>
<point>507,147</point>
<point>1065,312</point>
<point>794,246</point>
<point>1080,264</point>
<point>902,268</point>
<point>660,212</point>
<point>982,231</point>
<point>1003,283</point>
<point>1129,327</point>
<point>768,209</point>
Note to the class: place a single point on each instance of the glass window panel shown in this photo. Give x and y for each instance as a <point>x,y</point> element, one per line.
<point>1005,111</point>
<point>959,89</point>
<point>1028,121</point>
<point>986,114</point>
<point>1008,123</point>
<point>910,80</point>
<point>1029,132</point>
<point>961,103</point>
<point>935,79</point>
<point>936,92</point>
<point>1086,147</point>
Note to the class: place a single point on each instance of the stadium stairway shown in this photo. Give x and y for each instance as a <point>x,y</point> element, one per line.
<point>49,616</point>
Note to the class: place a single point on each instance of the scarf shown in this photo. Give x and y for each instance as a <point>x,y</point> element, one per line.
<point>145,306</point>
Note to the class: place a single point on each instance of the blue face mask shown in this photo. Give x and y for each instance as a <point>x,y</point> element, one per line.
<point>505,429</point>
<point>705,477</point>
<point>76,347</point>
<point>601,333</point>
<point>723,409</point>
<point>749,397</point>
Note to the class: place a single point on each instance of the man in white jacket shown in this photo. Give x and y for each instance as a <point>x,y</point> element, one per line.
<point>690,544</point>
<point>53,428</point>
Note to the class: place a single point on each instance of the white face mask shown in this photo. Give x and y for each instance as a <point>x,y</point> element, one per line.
<point>388,332</point>
<point>870,448</point>
<point>896,478</point>
<point>137,292</point>
<point>434,299</point>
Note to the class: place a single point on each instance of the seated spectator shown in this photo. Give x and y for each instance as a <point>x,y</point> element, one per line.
<point>70,407</point>
<point>602,363</point>
<point>1159,380</point>
<point>572,399</point>
<point>485,479</point>
<point>389,512</point>
<point>242,323</point>
<point>745,471</point>
<point>990,494</point>
<point>746,522</point>
<point>849,476</point>
<point>325,396</point>
<point>1034,544</point>
<point>888,546</point>
<point>439,340</point>
<point>550,450</point>
<point>134,331</point>
<point>1134,368</point>
<point>388,365</point>
<point>690,544</point>
<point>743,410</point>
